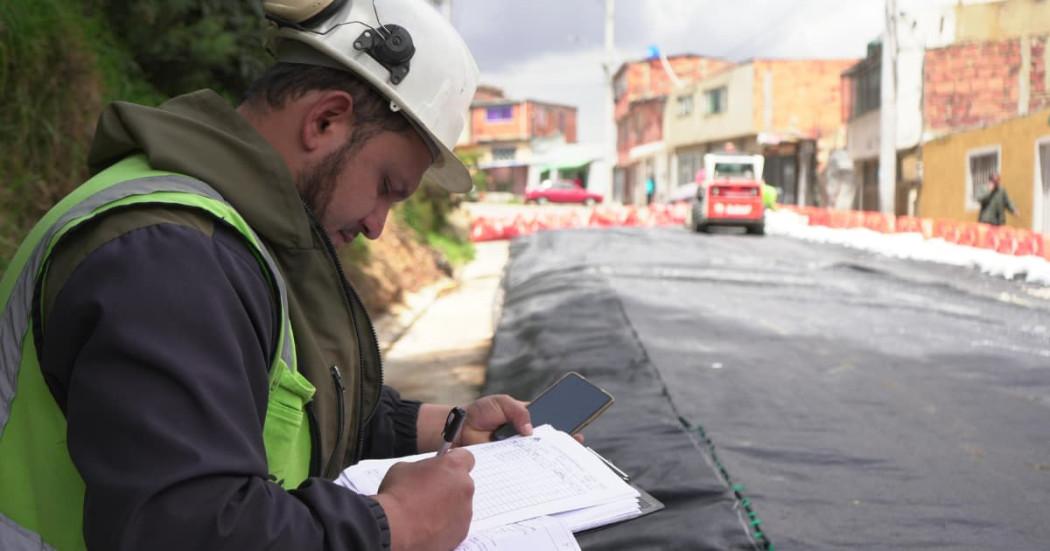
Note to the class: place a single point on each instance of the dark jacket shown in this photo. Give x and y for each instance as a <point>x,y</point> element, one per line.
<point>994,205</point>
<point>158,333</point>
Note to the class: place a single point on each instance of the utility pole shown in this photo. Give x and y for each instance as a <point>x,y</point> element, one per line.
<point>610,97</point>
<point>888,114</point>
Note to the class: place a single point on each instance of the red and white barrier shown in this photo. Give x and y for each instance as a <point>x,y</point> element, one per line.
<point>492,228</point>
<point>1002,239</point>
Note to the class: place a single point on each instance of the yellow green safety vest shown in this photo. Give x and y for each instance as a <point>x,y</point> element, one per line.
<point>41,492</point>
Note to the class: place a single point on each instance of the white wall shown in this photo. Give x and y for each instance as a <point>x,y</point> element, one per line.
<point>862,136</point>
<point>599,179</point>
<point>922,25</point>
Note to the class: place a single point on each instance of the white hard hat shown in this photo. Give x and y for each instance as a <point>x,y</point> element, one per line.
<point>405,49</point>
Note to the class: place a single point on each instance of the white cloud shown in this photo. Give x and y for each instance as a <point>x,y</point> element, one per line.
<point>573,78</point>
<point>548,66</point>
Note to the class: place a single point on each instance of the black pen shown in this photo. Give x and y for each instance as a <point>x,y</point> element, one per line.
<point>453,424</point>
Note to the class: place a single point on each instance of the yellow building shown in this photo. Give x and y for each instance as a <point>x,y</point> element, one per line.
<point>956,169</point>
<point>996,20</point>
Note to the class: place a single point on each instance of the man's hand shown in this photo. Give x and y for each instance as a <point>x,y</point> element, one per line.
<point>428,503</point>
<point>489,413</point>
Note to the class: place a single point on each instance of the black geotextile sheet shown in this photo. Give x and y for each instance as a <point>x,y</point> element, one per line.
<point>862,402</point>
<point>563,317</point>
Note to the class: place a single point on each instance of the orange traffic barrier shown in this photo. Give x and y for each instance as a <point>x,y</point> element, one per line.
<point>1002,239</point>
<point>880,222</point>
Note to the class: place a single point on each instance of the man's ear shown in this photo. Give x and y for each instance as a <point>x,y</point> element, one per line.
<point>328,121</point>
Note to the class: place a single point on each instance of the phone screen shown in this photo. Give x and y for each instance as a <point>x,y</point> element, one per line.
<point>567,406</point>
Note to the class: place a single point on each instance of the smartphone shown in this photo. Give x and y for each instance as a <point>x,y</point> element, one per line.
<point>568,405</point>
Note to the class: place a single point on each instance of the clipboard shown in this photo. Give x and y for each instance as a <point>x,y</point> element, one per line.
<point>647,504</point>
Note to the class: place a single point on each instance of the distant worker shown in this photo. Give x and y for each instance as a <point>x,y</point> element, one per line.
<point>650,190</point>
<point>769,196</point>
<point>995,203</point>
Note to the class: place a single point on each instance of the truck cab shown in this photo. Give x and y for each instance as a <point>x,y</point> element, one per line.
<point>730,193</point>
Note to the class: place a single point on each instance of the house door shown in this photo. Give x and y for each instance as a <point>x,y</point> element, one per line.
<point>1044,176</point>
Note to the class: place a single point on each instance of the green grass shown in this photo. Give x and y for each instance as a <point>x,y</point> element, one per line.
<point>58,66</point>
<point>456,251</point>
<point>426,213</point>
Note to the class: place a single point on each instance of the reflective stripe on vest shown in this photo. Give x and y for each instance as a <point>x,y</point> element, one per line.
<point>41,494</point>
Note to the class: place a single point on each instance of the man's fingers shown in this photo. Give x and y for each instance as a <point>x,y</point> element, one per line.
<point>516,413</point>
<point>460,459</point>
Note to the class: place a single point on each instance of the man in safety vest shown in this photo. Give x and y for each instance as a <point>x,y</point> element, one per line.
<point>183,364</point>
<point>769,196</point>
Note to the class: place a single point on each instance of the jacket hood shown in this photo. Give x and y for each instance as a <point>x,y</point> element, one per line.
<point>202,136</point>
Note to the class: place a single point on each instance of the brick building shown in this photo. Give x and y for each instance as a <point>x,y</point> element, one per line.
<point>502,132</point>
<point>959,67</point>
<point>979,83</point>
<point>640,90</point>
<point>921,27</point>
<point>787,110</point>
<point>984,108</point>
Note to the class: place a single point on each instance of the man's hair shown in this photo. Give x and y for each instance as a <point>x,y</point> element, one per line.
<point>284,82</point>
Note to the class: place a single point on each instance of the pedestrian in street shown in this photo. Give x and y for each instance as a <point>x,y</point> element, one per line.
<point>650,190</point>
<point>183,364</point>
<point>994,203</point>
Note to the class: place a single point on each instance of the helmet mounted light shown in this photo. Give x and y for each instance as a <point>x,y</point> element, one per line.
<point>391,46</point>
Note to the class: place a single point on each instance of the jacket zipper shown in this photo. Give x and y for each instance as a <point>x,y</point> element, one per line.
<point>350,295</point>
<point>340,390</point>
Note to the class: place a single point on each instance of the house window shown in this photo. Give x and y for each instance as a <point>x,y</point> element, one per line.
<point>503,153</point>
<point>866,82</point>
<point>980,164</point>
<point>715,100</point>
<point>685,106</point>
<point>499,113</point>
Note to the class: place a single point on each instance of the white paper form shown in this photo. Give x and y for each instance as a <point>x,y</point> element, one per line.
<point>519,478</point>
<point>600,515</point>
<point>527,535</point>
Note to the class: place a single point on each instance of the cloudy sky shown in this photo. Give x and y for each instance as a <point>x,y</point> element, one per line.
<point>553,49</point>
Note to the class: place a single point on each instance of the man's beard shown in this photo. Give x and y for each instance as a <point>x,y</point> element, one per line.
<point>317,182</point>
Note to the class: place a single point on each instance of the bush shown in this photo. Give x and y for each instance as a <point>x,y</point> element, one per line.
<point>426,212</point>
<point>217,44</point>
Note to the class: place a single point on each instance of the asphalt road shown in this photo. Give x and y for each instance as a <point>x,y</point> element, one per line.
<point>863,401</point>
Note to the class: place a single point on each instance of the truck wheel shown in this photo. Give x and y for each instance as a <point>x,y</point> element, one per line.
<point>759,229</point>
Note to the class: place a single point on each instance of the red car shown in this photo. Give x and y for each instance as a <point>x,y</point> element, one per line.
<point>562,191</point>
